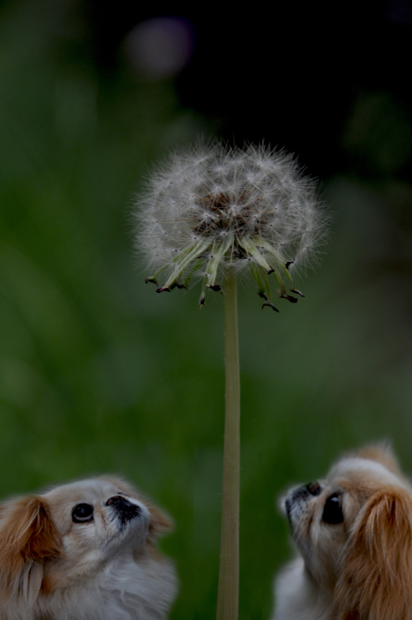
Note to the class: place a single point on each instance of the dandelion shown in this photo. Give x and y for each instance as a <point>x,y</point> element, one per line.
<point>212,209</point>
<point>211,213</point>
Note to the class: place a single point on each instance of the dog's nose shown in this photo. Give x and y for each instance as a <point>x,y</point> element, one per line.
<point>314,488</point>
<point>306,491</point>
<point>125,509</point>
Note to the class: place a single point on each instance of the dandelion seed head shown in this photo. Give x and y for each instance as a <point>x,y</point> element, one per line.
<point>210,207</point>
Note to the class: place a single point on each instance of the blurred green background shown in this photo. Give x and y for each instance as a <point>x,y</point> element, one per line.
<point>100,374</point>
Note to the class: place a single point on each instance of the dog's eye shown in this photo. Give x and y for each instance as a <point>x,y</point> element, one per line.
<point>332,511</point>
<point>82,513</point>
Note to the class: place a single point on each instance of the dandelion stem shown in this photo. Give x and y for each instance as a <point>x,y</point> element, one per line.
<point>228,592</point>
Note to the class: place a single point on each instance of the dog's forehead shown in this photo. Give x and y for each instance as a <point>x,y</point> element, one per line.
<point>355,468</point>
<point>90,490</point>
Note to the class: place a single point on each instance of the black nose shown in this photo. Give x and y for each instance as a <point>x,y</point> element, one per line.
<point>314,488</point>
<point>307,490</point>
<point>126,511</point>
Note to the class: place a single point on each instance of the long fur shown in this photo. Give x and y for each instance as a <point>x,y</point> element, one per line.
<point>360,568</point>
<point>376,578</point>
<point>52,568</point>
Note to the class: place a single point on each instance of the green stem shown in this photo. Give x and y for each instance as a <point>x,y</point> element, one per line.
<point>228,592</point>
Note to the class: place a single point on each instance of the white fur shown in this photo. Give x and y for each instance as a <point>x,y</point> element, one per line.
<point>296,597</point>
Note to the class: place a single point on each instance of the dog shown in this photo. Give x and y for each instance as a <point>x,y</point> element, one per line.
<point>84,551</point>
<point>353,534</point>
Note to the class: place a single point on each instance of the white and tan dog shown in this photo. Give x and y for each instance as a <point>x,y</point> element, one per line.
<point>84,551</point>
<point>353,532</point>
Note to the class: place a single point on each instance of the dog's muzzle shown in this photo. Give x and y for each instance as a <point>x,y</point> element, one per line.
<point>301,495</point>
<point>126,511</point>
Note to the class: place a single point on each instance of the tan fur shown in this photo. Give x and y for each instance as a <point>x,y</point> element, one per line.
<point>28,534</point>
<point>359,568</point>
<point>382,453</point>
<point>376,579</point>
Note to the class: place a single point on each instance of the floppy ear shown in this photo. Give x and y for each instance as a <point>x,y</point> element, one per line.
<point>28,537</point>
<point>376,581</point>
<point>159,522</point>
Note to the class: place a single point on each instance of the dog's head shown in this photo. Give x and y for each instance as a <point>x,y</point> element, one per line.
<point>354,532</point>
<point>71,534</point>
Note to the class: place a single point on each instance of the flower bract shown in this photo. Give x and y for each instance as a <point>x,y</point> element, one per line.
<point>213,207</point>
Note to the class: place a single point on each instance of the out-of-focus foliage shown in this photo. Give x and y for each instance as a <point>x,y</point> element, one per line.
<point>98,373</point>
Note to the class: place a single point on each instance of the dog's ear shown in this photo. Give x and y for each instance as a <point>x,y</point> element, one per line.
<point>376,579</point>
<point>28,537</point>
<point>159,522</point>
